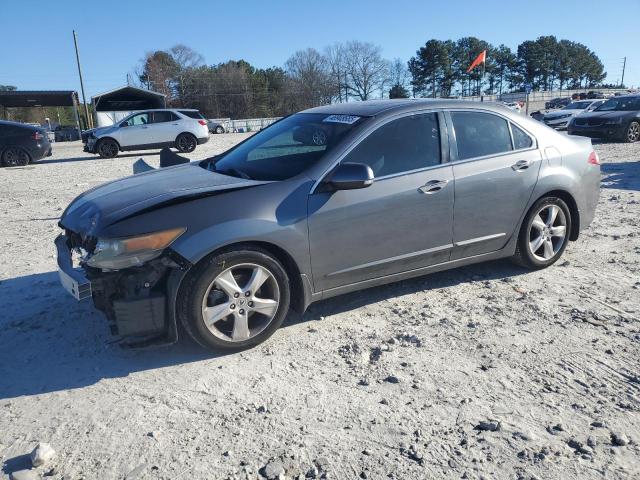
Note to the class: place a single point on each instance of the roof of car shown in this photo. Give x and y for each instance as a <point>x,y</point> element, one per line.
<point>369,108</point>
<point>19,124</point>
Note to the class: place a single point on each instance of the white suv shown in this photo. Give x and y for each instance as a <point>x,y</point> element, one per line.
<point>183,129</point>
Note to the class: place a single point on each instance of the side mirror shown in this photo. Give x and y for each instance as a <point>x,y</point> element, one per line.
<point>350,176</point>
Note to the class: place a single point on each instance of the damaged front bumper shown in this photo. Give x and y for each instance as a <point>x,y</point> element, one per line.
<point>138,301</point>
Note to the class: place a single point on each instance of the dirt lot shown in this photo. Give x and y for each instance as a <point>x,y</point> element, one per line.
<point>482,372</point>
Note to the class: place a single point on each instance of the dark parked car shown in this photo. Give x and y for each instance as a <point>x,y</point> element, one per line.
<point>228,244</point>
<point>557,103</point>
<point>616,119</point>
<point>22,144</point>
<point>66,133</point>
<point>595,95</point>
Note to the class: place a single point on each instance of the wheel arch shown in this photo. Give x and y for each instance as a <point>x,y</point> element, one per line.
<point>300,286</point>
<point>107,137</point>
<point>574,211</point>
<point>186,132</point>
<point>4,148</point>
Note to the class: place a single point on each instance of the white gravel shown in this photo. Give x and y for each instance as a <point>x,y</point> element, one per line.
<point>486,371</point>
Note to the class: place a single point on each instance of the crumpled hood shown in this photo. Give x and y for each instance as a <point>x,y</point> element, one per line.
<point>99,131</point>
<point>104,205</point>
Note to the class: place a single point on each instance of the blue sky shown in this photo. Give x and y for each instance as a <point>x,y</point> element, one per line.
<point>36,46</point>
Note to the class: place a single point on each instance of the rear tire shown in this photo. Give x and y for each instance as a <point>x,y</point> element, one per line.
<point>219,129</point>
<point>15,157</point>
<point>632,134</point>
<point>107,148</point>
<point>186,143</point>
<point>544,234</point>
<point>218,308</point>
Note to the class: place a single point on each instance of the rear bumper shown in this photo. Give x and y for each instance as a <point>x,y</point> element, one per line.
<point>40,151</point>
<point>203,140</point>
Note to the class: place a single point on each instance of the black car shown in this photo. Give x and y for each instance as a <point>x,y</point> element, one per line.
<point>557,103</point>
<point>66,133</point>
<point>21,144</point>
<point>616,119</point>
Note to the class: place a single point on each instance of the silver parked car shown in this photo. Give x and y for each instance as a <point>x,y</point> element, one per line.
<point>560,118</point>
<point>183,129</point>
<point>327,201</point>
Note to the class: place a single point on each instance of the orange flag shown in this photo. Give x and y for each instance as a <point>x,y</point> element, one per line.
<point>479,59</point>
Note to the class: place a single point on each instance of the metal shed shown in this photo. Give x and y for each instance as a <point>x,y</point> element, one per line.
<point>41,98</point>
<point>112,106</point>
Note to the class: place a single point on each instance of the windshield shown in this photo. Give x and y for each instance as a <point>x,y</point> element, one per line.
<point>286,148</point>
<point>622,103</point>
<point>577,106</point>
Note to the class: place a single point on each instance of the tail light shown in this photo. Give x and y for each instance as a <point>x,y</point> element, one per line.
<point>594,159</point>
<point>202,122</point>
<point>37,136</point>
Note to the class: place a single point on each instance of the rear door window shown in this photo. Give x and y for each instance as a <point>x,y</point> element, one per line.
<point>164,116</point>
<point>479,134</point>
<point>402,145</point>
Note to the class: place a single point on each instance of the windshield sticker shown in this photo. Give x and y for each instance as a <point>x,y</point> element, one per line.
<point>348,119</point>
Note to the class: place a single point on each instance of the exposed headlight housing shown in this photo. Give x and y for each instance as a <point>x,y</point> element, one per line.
<point>119,253</point>
<point>614,121</point>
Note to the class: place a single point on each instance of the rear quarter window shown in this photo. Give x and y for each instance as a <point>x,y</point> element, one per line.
<point>520,138</point>
<point>192,114</point>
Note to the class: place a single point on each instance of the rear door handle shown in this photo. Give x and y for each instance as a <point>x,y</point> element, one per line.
<point>521,165</point>
<point>433,186</point>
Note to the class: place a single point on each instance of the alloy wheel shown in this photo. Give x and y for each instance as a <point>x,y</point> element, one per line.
<point>548,232</point>
<point>15,157</point>
<point>186,143</point>
<point>108,149</point>
<point>240,302</point>
<point>633,134</point>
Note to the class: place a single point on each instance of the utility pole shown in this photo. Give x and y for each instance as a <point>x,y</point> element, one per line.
<point>624,65</point>
<point>84,100</point>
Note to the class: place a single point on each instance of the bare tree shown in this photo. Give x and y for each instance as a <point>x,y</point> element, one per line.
<point>367,71</point>
<point>336,60</point>
<point>309,71</point>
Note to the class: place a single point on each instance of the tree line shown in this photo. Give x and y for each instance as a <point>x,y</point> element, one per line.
<point>358,71</point>
<point>439,68</point>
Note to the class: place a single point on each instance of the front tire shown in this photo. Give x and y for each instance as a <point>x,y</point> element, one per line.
<point>632,134</point>
<point>186,143</point>
<point>235,299</point>
<point>544,234</point>
<point>15,157</point>
<point>107,148</point>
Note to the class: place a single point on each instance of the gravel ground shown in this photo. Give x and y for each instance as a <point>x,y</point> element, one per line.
<point>486,371</point>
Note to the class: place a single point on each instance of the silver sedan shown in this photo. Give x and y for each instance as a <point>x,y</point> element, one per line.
<point>324,202</point>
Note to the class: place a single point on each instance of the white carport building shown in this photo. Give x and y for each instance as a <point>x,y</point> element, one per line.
<point>112,106</point>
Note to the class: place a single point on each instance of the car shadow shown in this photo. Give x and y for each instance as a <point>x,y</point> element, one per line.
<point>53,343</point>
<point>621,176</point>
<point>95,158</point>
<point>494,270</point>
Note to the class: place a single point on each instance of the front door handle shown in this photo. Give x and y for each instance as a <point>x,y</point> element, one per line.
<point>433,186</point>
<point>521,165</point>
